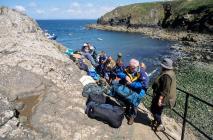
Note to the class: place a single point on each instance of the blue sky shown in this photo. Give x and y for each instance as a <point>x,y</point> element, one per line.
<point>67,9</point>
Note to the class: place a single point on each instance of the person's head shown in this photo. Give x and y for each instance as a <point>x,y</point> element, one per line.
<point>85,45</point>
<point>119,62</point>
<point>143,66</point>
<point>102,53</point>
<point>133,65</point>
<point>110,58</point>
<point>119,55</point>
<point>167,64</point>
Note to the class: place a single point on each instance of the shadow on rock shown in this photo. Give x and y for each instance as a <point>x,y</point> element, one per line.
<point>142,118</point>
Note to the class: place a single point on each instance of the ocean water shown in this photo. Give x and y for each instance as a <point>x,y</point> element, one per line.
<point>72,34</point>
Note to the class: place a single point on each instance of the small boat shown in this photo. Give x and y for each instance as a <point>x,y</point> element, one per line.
<point>100,39</point>
<point>50,36</point>
<point>53,37</point>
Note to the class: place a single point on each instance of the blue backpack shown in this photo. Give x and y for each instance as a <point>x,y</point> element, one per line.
<point>125,94</point>
<point>69,52</point>
<point>91,72</point>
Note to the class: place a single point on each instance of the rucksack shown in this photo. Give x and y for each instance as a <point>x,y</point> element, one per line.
<point>112,115</point>
<point>127,95</point>
<point>97,98</point>
<point>91,89</point>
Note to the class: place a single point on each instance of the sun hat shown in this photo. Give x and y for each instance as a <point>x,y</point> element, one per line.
<point>167,63</point>
<point>85,44</point>
<point>119,54</point>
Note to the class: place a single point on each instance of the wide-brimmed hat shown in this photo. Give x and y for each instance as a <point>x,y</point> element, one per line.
<point>167,63</point>
<point>119,54</point>
<point>85,44</point>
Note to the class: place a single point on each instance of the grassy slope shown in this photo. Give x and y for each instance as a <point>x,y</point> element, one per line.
<point>183,6</point>
<point>141,11</point>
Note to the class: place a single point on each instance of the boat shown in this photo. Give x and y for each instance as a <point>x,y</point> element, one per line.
<point>50,36</point>
<point>100,39</point>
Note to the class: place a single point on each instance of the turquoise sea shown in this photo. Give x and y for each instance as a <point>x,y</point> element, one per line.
<point>73,33</point>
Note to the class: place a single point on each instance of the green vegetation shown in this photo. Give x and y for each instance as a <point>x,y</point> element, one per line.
<point>193,15</point>
<point>141,13</point>
<point>197,80</point>
<point>184,6</point>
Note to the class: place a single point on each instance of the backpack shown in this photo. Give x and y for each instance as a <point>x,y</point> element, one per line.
<point>97,98</point>
<point>91,89</point>
<point>112,115</point>
<point>127,95</point>
<point>91,72</point>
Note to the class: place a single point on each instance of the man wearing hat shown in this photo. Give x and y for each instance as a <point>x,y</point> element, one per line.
<point>164,93</point>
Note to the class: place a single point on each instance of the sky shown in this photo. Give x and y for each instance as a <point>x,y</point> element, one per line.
<point>67,9</point>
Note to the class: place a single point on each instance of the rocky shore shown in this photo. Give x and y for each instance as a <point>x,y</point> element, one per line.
<point>200,46</point>
<point>40,92</point>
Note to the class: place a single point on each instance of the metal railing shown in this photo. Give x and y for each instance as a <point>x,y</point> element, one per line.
<point>184,117</point>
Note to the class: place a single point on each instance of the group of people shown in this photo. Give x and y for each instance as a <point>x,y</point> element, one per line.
<point>134,79</point>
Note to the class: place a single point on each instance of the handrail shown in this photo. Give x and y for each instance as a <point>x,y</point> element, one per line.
<point>185,120</point>
<point>195,97</point>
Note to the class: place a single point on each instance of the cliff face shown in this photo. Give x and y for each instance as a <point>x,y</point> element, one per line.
<point>146,14</point>
<point>192,15</point>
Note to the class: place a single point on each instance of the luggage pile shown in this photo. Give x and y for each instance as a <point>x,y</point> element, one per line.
<point>98,107</point>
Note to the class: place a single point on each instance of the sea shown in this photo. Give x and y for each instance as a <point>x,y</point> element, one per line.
<point>73,34</point>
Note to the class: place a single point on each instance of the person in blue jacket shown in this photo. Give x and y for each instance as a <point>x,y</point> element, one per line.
<point>87,54</point>
<point>132,78</point>
<point>119,67</point>
<point>144,76</point>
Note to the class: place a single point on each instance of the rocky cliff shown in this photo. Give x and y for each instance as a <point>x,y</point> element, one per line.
<point>190,15</point>
<point>40,92</point>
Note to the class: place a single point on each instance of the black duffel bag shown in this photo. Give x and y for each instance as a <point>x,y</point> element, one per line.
<point>97,98</point>
<point>112,115</point>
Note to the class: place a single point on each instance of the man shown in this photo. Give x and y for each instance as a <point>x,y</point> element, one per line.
<point>108,67</point>
<point>132,78</point>
<point>145,76</point>
<point>86,52</point>
<point>164,93</point>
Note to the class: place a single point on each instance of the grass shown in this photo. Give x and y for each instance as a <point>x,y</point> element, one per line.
<point>184,6</point>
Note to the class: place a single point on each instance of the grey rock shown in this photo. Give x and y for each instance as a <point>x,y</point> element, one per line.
<point>12,98</point>
<point>23,119</point>
<point>19,106</point>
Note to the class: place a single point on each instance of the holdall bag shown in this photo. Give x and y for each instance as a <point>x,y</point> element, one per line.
<point>97,98</point>
<point>126,94</point>
<point>112,115</point>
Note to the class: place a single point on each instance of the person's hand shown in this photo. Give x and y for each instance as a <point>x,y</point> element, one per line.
<point>128,79</point>
<point>160,101</point>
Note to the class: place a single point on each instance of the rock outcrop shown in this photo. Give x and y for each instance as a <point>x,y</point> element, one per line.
<point>145,14</point>
<point>193,15</point>
<point>43,84</point>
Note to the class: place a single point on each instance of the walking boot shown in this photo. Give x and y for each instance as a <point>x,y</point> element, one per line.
<point>130,121</point>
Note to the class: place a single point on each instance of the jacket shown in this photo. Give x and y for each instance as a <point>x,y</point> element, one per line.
<point>165,85</point>
<point>136,78</point>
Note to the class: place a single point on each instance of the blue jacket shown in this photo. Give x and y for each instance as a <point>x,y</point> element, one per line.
<point>136,85</point>
<point>145,81</point>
